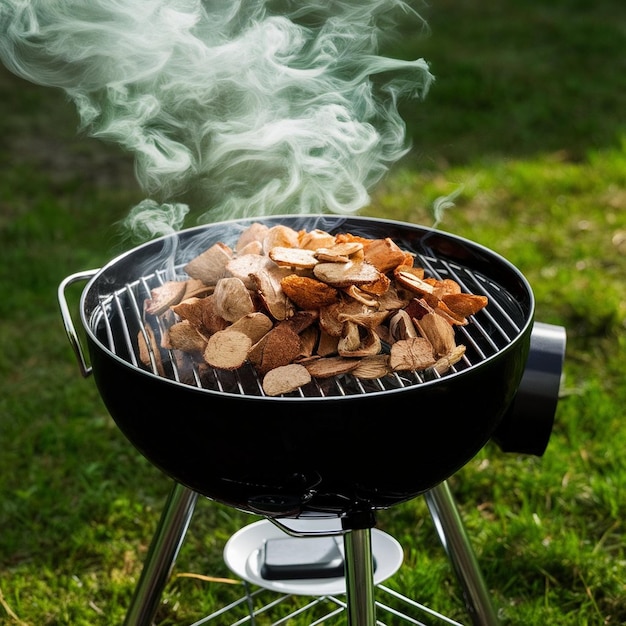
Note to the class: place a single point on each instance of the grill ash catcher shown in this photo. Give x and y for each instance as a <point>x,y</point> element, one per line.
<point>337,449</point>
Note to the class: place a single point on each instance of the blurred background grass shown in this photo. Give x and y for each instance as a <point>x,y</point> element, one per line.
<point>525,127</point>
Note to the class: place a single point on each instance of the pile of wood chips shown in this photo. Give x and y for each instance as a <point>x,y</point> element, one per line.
<point>303,304</point>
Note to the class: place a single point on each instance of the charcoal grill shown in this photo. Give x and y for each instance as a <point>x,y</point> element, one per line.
<point>336,447</point>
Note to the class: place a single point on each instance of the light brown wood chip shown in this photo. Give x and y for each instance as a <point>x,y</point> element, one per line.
<point>293,257</point>
<point>255,325</point>
<point>210,266</point>
<point>346,274</point>
<point>232,299</point>
<point>446,362</point>
<point>183,336</point>
<point>415,353</point>
<point>330,366</point>
<point>440,334</point>
<point>164,296</point>
<point>227,349</point>
<point>285,379</point>
<point>371,367</point>
<point>150,347</point>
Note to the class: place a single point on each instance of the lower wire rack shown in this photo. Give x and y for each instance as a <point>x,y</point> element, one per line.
<point>255,608</point>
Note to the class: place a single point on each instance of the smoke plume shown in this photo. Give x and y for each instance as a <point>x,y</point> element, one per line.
<point>237,108</point>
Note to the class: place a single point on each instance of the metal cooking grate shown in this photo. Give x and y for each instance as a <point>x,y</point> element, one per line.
<point>118,318</point>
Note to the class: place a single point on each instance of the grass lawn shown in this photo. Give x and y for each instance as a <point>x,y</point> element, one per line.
<point>524,131</point>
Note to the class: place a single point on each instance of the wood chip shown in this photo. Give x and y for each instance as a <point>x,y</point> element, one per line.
<point>330,366</point>
<point>267,284</point>
<point>285,379</point>
<point>227,349</point>
<point>384,254</point>
<point>210,266</point>
<point>314,239</point>
<point>329,303</point>
<point>195,288</point>
<point>415,353</point>
<point>148,348</point>
<point>293,257</point>
<point>255,233</point>
<point>345,274</point>
<point>369,344</point>
<point>255,325</point>
<point>412,281</point>
<point>183,336</point>
<point>464,304</point>
<point>446,362</point>
<point>401,326</point>
<point>165,296</point>
<point>308,293</point>
<point>438,332</point>
<point>280,346</point>
<point>232,299</point>
<point>340,252</point>
<point>246,265</point>
<point>281,236</point>
<point>372,367</point>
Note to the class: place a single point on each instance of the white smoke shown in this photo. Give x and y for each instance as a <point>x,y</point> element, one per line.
<point>242,108</point>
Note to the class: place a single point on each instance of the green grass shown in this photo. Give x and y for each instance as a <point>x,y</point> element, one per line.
<point>525,127</point>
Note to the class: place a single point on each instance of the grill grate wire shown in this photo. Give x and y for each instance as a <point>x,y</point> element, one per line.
<point>118,318</point>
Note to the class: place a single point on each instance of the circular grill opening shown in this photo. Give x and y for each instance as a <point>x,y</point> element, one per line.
<point>117,318</point>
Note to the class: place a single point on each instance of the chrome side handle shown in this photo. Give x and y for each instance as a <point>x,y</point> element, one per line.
<point>68,322</point>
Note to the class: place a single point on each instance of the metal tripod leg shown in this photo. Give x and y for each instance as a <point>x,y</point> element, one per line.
<point>161,556</point>
<point>360,577</point>
<point>456,543</point>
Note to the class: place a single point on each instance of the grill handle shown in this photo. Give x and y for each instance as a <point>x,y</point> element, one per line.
<point>68,322</point>
<point>527,426</point>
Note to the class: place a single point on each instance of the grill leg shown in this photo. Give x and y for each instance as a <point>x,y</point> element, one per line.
<point>359,575</point>
<point>455,541</point>
<point>161,556</point>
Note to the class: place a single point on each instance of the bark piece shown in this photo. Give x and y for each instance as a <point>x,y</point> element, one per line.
<point>280,346</point>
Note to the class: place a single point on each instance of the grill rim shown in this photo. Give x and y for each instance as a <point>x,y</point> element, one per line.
<point>93,289</point>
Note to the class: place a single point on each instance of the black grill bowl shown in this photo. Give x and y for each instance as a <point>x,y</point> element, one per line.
<point>327,451</point>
